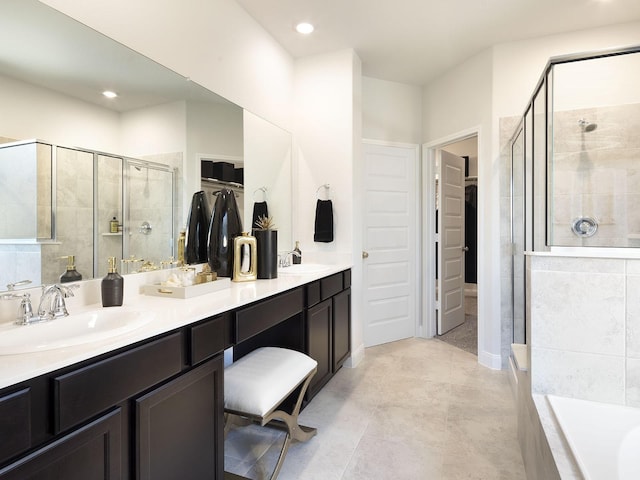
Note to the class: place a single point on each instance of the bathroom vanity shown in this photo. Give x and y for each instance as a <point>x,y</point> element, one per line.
<point>151,406</point>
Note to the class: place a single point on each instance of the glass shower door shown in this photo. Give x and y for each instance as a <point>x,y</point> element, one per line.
<point>149,230</point>
<point>518,235</point>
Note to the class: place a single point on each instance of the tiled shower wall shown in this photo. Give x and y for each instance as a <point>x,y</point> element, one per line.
<point>597,174</point>
<point>585,328</point>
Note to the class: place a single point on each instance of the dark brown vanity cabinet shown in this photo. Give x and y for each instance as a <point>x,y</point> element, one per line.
<point>328,326</point>
<point>153,410</point>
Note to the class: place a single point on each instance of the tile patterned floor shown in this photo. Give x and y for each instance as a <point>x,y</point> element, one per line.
<point>465,336</point>
<point>414,409</point>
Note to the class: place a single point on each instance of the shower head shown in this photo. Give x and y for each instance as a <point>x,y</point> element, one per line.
<point>587,126</point>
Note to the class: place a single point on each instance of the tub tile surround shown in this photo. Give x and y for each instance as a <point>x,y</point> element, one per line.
<point>585,316</point>
<point>584,336</point>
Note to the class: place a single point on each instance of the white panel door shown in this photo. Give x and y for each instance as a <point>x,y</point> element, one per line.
<point>451,245</point>
<point>390,259</point>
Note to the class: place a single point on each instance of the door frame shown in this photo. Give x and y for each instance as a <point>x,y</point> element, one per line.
<point>429,151</point>
<point>417,269</point>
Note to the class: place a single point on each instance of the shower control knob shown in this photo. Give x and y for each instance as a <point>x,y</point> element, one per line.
<point>584,227</point>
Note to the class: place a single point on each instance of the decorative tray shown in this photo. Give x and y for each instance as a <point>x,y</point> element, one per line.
<point>160,290</point>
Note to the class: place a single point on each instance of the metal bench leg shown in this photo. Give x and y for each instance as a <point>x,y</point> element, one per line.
<point>294,430</point>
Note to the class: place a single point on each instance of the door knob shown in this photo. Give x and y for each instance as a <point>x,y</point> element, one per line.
<point>365,254</point>
<point>465,249</point>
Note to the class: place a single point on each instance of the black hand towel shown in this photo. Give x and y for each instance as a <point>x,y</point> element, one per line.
<point>259,210</point>
<point>324,222</point>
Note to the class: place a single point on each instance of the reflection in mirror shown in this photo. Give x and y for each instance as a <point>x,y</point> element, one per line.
<point>25,190</point>
<point>268,151</point>
<point>52,90</point>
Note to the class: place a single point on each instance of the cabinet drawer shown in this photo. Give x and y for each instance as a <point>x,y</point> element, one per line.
<point>88,391</point>
<point>329,286</point>
<point>15,423</point>
<point>206,339</point>
<point>257,318</point>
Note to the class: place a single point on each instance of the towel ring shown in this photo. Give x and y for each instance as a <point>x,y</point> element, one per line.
<point>327,187</point>
<point>264,193</point>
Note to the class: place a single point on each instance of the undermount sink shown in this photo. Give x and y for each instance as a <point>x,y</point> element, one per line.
<point>76,329</point>
<point>303,268</point>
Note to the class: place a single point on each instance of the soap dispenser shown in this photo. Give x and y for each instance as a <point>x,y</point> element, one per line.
<point>114,225</point>
<point>112,286</point>
<point>71,274</point>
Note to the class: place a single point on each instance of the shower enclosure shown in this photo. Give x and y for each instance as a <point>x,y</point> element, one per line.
<point>575,160</point>
<point>64,201</point>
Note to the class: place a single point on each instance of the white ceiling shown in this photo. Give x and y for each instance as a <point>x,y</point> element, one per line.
<point>414,41</point>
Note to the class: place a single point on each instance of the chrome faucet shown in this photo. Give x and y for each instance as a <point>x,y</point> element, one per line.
<point>51,304</point>
<point>284,260</point>
<point>52,301</point>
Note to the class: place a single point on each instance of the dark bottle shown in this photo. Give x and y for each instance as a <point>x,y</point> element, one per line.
<point>297,258</point>
<point>195,249</point>
<point>112,286</point>
<point>71,274</point>
<point>225,226</point>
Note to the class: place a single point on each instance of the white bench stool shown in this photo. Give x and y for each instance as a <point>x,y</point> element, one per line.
<point>256,384</point>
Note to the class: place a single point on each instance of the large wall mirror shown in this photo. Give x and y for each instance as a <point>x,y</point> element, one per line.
<point>135,157</point>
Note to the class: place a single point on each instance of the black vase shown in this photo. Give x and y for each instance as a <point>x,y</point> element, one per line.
<point>267,252</point>
<point>225,226</point>
<point>195,248</point>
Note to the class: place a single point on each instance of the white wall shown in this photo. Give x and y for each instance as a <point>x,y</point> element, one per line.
<point>327,138</point>
<point>455,104</point>
<point>391,111</point>
<point>215,43</point>
<point>324,117</point>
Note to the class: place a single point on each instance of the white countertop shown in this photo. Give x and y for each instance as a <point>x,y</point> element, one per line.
<point>170,314</point>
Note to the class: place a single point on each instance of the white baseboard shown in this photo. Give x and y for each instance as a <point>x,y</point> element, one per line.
<point>490,360</point>
<point>357,355</point>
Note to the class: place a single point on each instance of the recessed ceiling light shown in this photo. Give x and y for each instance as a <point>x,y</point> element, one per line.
<point>304,28</point>
<point>109,94</point>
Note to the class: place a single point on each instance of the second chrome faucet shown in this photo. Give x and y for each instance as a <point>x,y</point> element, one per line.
<point>52,304</point>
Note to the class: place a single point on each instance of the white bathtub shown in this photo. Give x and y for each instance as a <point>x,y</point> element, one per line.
<point>604,438</point>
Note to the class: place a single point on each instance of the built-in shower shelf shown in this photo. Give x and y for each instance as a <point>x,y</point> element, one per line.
<point>109,234</point>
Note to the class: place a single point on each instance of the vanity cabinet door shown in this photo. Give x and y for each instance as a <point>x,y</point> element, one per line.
<point>15,423</point>
<point>91,452</point>
<point>179,427</point>
<point>319,323</point>
<point>341,328</point>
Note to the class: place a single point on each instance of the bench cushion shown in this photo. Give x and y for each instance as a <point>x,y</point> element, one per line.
<point>259,381</point>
